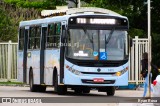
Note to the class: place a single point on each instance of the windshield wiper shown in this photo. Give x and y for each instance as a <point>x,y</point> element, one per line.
<point>91,40</point>
<point>109,37</point>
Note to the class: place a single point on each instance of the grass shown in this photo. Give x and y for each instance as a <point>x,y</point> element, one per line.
<point>11,83</point>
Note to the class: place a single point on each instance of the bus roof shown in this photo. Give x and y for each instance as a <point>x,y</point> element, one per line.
<point>60,19</point>
<point>66,11</point>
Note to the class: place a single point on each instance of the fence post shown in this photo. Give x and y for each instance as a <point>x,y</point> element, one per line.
<point>9,61</point>
<point>136,59</point>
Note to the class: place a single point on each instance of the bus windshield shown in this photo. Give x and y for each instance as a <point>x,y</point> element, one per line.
<point>86,44</point>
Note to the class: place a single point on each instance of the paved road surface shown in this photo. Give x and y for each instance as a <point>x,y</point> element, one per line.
<point>10,91</point>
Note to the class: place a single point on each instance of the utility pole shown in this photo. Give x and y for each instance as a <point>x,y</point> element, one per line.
<point>79,3</point>
<point>149,47</point>
<point>76,2</point>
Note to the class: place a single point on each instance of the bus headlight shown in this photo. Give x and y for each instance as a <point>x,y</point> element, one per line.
<point>76,72</point>
<point>119,73</point>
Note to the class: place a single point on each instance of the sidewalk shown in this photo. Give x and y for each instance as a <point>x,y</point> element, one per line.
<point>139,104</point>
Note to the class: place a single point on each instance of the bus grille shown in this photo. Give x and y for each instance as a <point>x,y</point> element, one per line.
<point>98,73</point>
<point>92,82</point>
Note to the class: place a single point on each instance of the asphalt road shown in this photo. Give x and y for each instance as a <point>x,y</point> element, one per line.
<point>94,96</point>
<point>11,91</point>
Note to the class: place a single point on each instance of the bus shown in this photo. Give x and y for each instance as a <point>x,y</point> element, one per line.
<point>81,51</point>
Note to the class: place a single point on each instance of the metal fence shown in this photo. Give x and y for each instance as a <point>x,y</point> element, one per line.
<point>140,45</point>
<point>8,60</point>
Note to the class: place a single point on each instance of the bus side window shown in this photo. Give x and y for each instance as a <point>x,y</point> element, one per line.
<point>21,38</point>
<point>34,37</point>
<point>37,37</point>
<point>31,38</point>
<point>53,37</point>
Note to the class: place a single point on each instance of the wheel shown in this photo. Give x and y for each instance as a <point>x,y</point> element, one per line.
<point>33,88</point>
<point>86,90</point>
<point>110,91</point>
<point>61,89</point>
<point>55,83</point>
<point>41,88</point>
<point>78,91</point>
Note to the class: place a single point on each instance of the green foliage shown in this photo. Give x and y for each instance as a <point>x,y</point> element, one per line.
<point>8,32</point>
<point>9,25</point>
<point>44,4</point>
<point>136,11</point>
<point>137,32</point>
<point>155,48</point>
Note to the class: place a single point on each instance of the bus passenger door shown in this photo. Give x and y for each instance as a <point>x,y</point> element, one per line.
<point>42,52</point>
<point>26,34</point>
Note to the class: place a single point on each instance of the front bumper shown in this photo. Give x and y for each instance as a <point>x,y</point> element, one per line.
<point>87,80</point>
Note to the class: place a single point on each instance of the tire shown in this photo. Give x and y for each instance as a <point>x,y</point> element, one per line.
<point>78,91</point>
<point>55,83</point>
<point>33,88</point>
<point>41,88</point>
<point>86,90</point>
<point>111,91</point>
<point>61,89</point>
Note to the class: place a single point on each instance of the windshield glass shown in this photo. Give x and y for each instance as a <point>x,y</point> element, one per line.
<point>96,44</point>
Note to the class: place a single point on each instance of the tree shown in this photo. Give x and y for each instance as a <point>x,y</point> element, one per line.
<point>136,11</point>
<point>6,29</point>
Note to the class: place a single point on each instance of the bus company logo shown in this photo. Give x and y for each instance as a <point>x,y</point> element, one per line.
<point>98,69</point>
<point>6,100</point>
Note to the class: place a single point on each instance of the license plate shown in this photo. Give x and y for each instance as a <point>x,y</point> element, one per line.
<point>98,80</point>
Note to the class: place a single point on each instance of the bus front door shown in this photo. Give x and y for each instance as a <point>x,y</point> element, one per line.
<point>42,52</point>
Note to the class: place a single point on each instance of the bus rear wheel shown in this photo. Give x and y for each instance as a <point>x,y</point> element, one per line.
<point>111,91</point>
<point>33,88</point>
<point>42,88</point>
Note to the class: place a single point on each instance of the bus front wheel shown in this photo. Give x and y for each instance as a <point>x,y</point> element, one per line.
<point>86,90</point>
<point>61,89</point>
<point>110,91</point>
<point>55,83</point>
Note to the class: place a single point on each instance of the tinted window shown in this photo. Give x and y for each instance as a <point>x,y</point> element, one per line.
<point>21,38</point>
<point>53,37</point>
<point>34,37</point>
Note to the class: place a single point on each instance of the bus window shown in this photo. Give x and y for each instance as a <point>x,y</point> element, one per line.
<point>58,28</point>
<point>53,37</point>
<point>21,39</point>
<point>34,38</point>
<point>31,38</point>
<point>37,37</point>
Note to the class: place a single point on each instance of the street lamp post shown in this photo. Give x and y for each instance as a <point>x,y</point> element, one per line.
<point>149,47</point>
<point>79,3</point>
<point>76,2</point>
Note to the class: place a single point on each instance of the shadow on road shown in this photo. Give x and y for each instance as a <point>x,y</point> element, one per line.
<point>93,93</point>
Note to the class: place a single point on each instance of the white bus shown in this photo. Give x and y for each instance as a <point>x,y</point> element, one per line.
<point>79,51</point>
